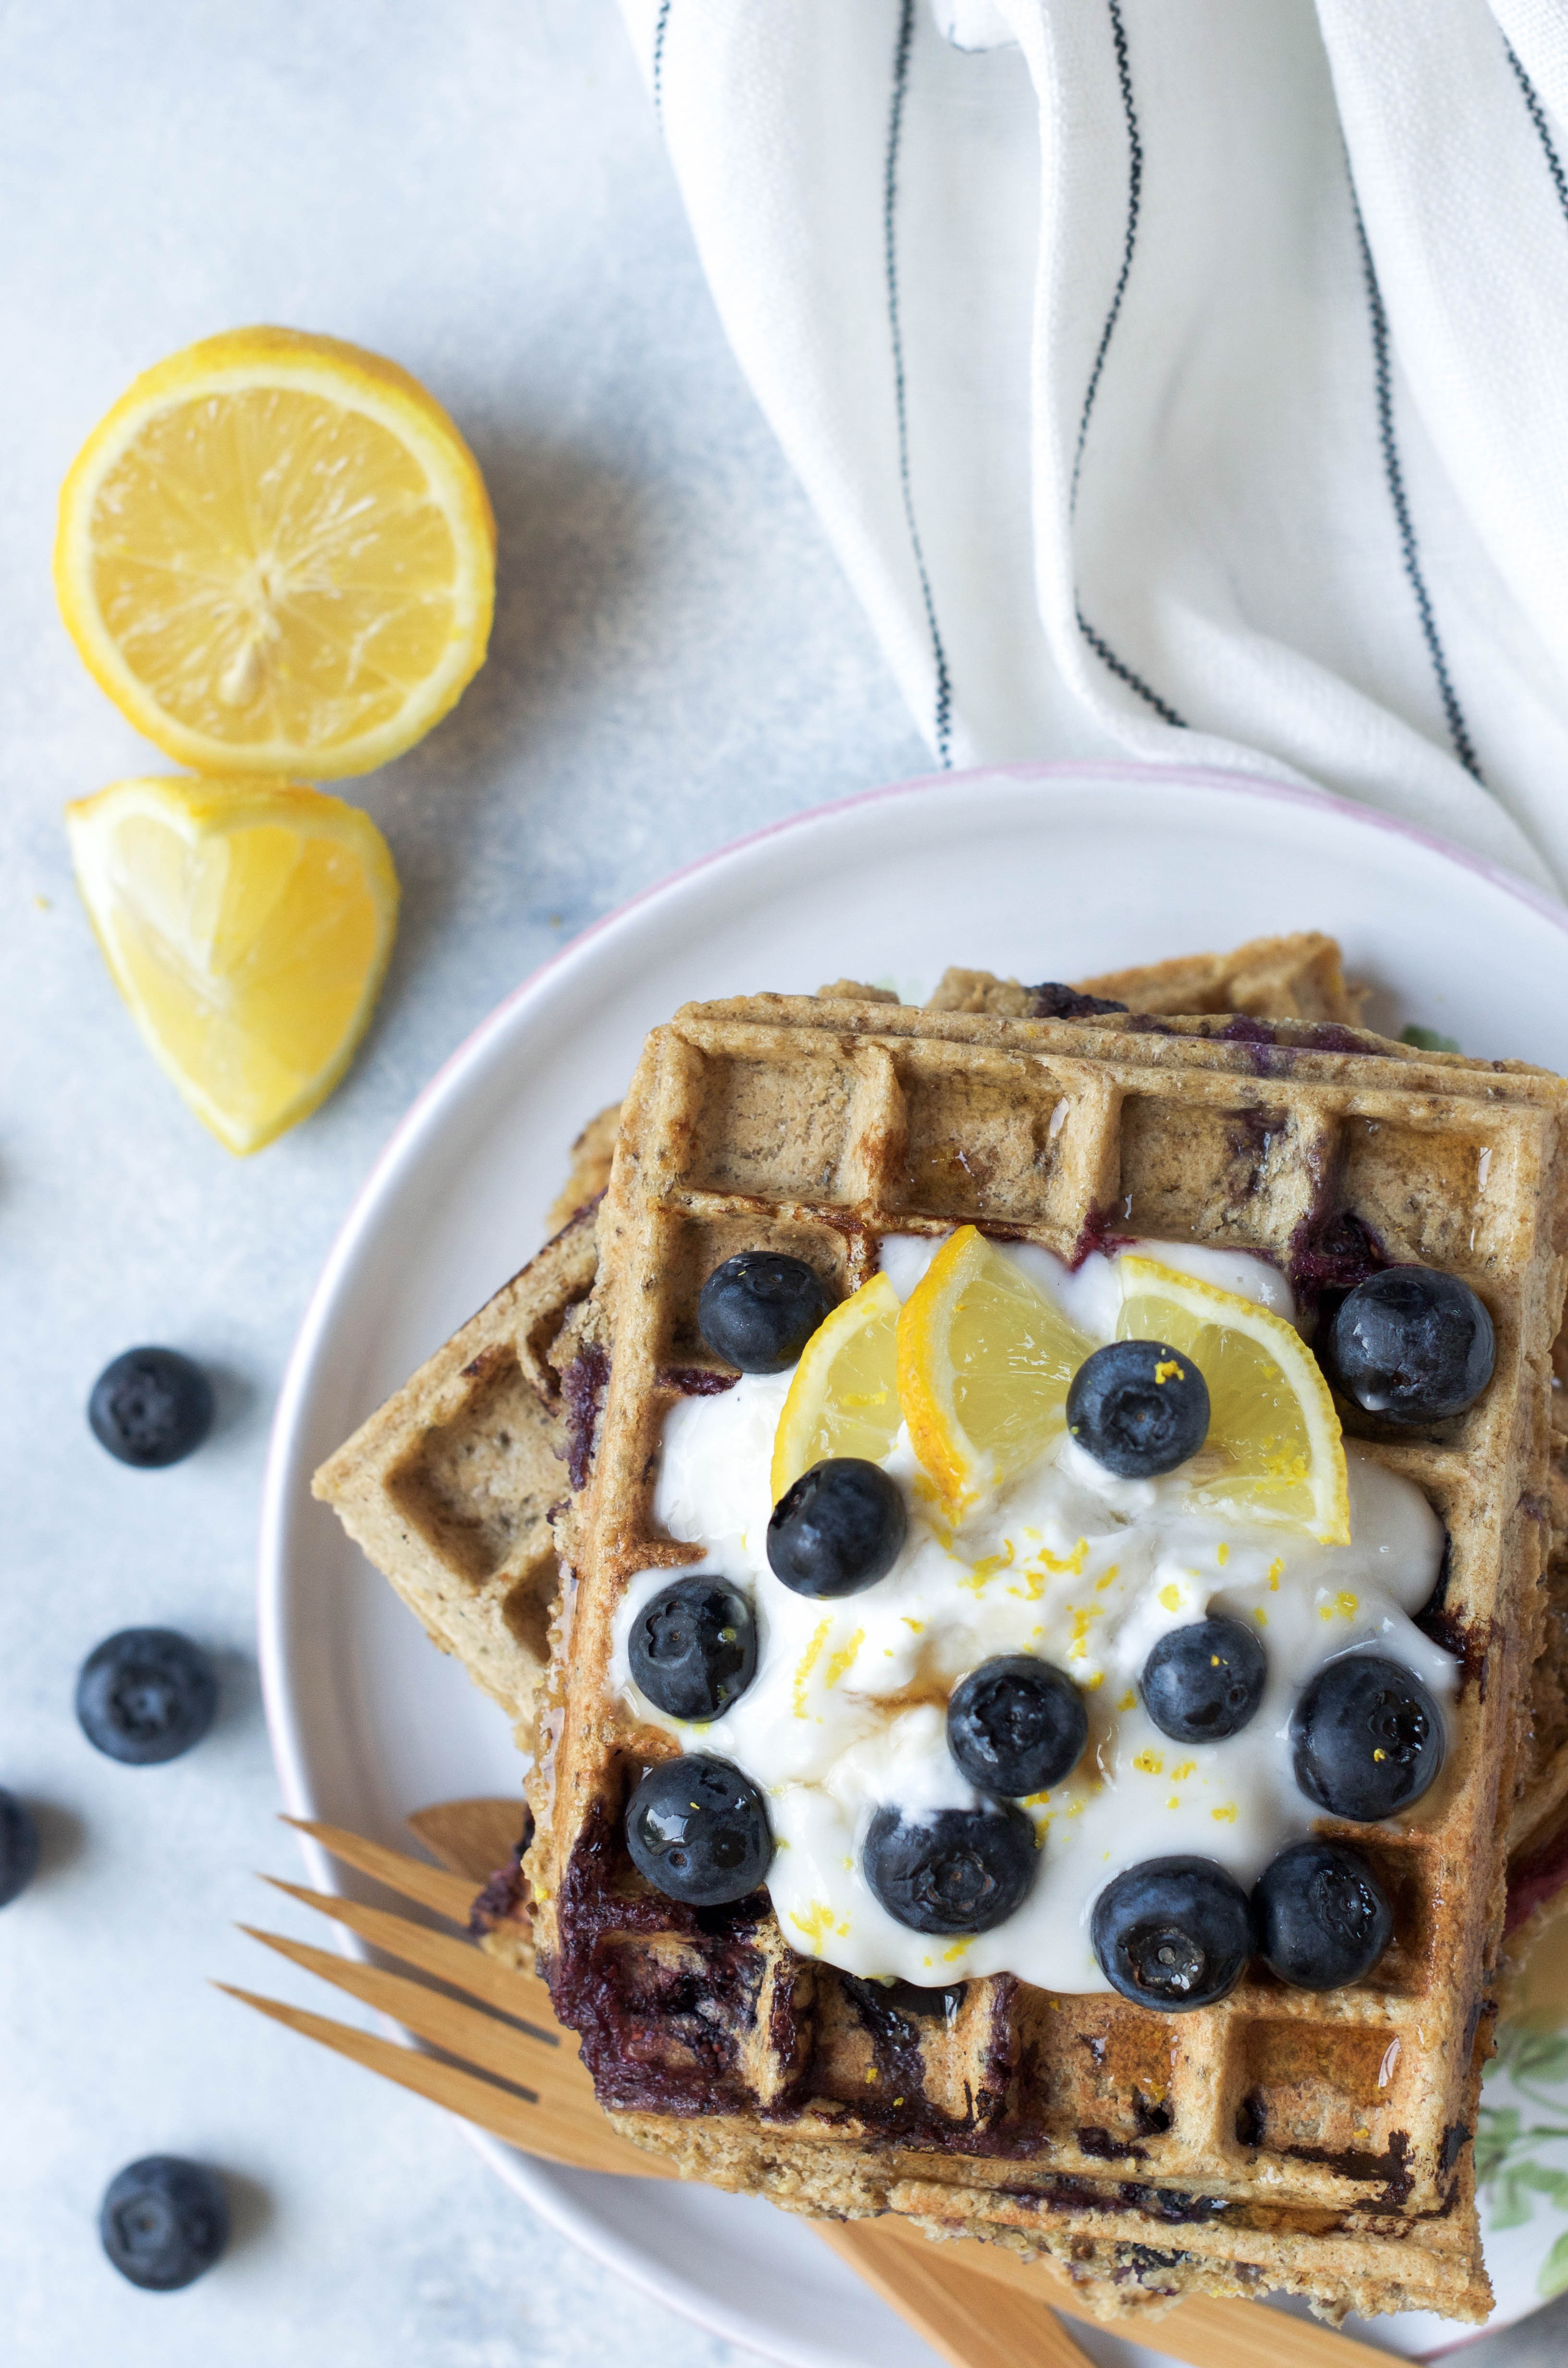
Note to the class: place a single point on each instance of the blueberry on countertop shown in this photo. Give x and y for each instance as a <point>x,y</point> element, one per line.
<point>1368,1737</point>
<point>839,1529</point>
<point>151,1406</point>
<point>950,1871</point>
<point>1412,1345</point>
<point>759,1309</point>
<point>18,1847</point>
<point>145,1695</point>
<point>1016,1724</point>
<point>692,1647</point>
<point>698,1830</point>
<point>1322,1917</point>
<point>1138,1407</point>
<point>1204,1681</point>
<point>1173,1933</point>
<point>164,2221</point>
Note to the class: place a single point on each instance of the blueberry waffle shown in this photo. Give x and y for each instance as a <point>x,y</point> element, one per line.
<point>1270,2079</point>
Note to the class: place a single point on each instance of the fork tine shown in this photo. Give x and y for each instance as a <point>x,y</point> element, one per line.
<point>472,1836</point>
<point>451,1896</point>
<point>458,1961</point>
<point>500,2049</point>
<point>573,2141</point>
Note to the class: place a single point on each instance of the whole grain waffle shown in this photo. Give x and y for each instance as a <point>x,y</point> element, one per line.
<point>1318,2142</point>
<point>1297,977</point>
<point>446,1488</point>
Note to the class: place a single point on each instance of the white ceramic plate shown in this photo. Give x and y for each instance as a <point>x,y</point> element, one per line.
<point>1039,871</point>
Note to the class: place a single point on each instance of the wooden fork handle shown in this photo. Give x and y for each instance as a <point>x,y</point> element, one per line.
<point>972,2320</point>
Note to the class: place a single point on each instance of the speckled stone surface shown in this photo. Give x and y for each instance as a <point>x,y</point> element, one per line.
<point>481,193</point>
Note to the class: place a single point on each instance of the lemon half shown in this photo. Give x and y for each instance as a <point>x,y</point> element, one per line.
<point>843,1397</point>
<point>984,1363</point>
<point>248,924</point>
<point>276,553</point>
<point>1273,1452</point>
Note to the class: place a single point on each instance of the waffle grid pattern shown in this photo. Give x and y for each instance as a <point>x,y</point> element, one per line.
<point>1315,2141</point>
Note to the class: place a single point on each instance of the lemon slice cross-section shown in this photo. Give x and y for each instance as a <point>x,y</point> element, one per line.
<point>248,926</point>
<point>1273,1452</point>
<point>843,1397</point>
<point>984,1361</point>
<point>276,555</point>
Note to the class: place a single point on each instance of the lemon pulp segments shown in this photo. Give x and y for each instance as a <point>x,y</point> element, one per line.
<point>276,552</point>
<point>843,1397</point>
<point>1273,1452</point>
<point>248,926</point>
<point>984,1361</point>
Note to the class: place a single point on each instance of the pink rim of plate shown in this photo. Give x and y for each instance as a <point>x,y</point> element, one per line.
<point>287,1744</point>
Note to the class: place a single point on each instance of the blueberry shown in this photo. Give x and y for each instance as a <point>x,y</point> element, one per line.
<point>1368,1737</point>
<point>1138,1408</point>
<point>951,1870</point>
<point>1204,1681</point>
<point>693,1647</point>
<point>18,1847</point>
<point>758,1311</point>
<point>1412,1345</point>
<point>1174,1933</point>
<point>1323,1917</point>
<point>151,1406</point>
<point>839,1529</point>
<point>1017,1726</point>
<point>145,1695</point>
<point>164,2221</point>
<point>698,1830</point>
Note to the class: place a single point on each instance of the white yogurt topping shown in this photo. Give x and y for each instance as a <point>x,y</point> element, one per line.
<point>847,1711</point>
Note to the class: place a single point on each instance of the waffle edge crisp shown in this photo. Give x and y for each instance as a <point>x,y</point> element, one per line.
<point>1319,2144</point>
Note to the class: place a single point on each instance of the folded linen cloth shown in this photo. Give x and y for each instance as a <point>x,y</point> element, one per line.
<point>1183,381</point>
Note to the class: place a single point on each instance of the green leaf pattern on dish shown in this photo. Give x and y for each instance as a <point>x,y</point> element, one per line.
<point>1509,2170</point>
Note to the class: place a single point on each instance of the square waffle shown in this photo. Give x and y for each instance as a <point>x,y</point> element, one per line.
<point>447,1488</point>
<point>1319,2143</point>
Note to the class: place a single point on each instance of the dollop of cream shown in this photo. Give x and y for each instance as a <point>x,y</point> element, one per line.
<point>846,1712</point>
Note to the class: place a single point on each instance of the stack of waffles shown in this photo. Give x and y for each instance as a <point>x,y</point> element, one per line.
<point>1317,2142</point>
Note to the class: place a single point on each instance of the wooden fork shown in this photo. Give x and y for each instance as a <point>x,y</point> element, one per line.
<point>518,2074</point>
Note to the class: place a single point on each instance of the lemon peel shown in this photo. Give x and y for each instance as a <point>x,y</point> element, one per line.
<point>275,554</point>
<point>248,926</point>
<point>1274,1454</point>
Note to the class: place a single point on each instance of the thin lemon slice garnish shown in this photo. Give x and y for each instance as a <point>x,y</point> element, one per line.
<point>277,554</point>
<point>248,926</point>
<point>1273,1452</point>
<point>844,1398</point>
<point>984,1361</point>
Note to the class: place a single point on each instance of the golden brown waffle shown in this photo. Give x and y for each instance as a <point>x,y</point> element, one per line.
<point>1316,2143</point>
<point>449,1486</point>
<point>1297,977</point>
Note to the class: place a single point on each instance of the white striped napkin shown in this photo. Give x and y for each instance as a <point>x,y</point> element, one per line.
<point>1182,381</point>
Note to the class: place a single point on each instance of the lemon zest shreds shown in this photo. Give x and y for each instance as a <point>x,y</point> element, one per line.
<point>842,1399</point>
<point>276,553</point>
<point>808,1662</point>
<point>1274,1454</point>
<point>843,1659</point>
<point>984,1363</point>
<point>248,926</point>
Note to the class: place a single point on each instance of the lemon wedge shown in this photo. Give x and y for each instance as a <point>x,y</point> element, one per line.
<point>248,926</point>
<point>844,1398</point>
<point>983,1365</point>
<point>276,553</point>
<point>1273,1452</point>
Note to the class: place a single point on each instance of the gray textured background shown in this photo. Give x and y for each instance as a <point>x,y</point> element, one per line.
<point>479,192</point>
